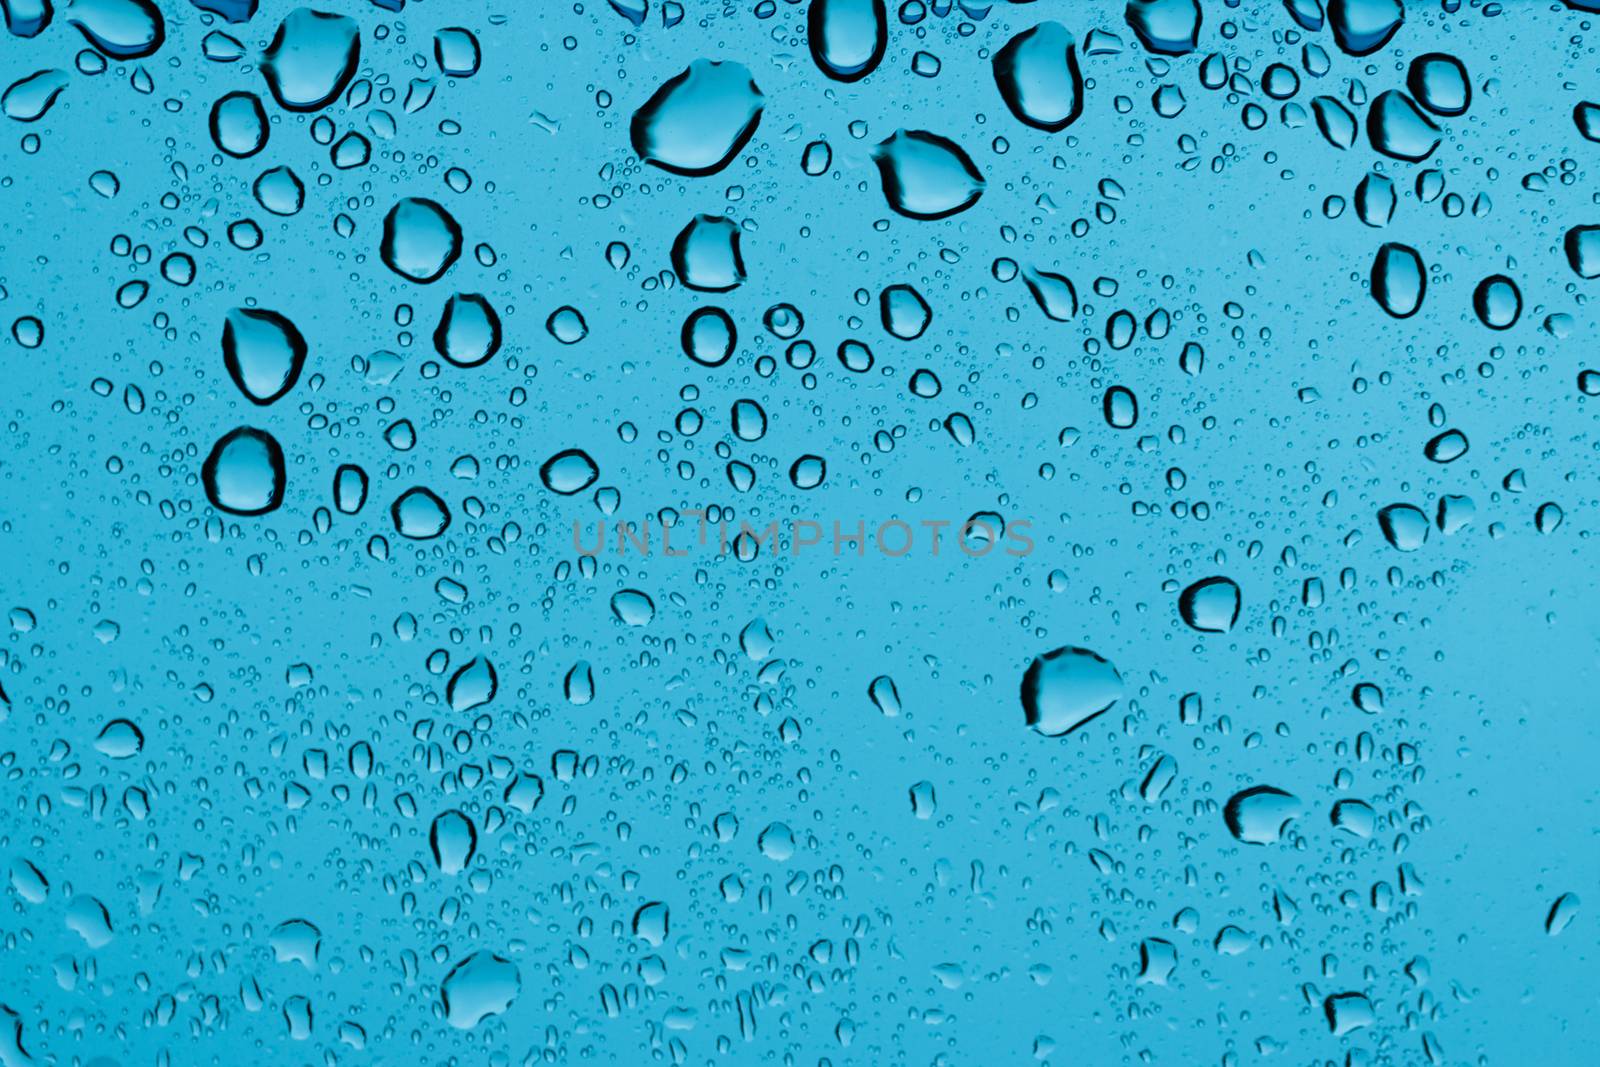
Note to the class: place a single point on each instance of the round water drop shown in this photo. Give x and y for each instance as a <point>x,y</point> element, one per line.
<point>706,255</point>
<point>1399,280</point>
<point>419,513</point>
<point>808,472</point>
<point>280,191</point>
<point>1210,605</point>
<point>478,987</point>
<point>1548,518</point>
<point>121,29</point>
<point>1446,447</point>
<point>349,488</point>
<point>816,159</point>
<point>1368,697</point>
<point>925,383</point>
<point>468,333</point>
<point>473,686</point>
<point>1583,250</point>
<point>1361,27</point>
<point>566,325</point>
<point>926,176</point>
<point>1439,82</point>
<point>776,842</point>
<point>1037,73</point>
<point>1398,128</point>
<point>632,608</point>
<point>239,124</point>
<point>420,239</point>
<point>454,841</point>
<point>1121,408</point>
<point>1066,688</point>
<point>1405,527</point>
<point>456,51</point>
<point>708,336</point>
<point>28,331</point>
<point>1259,815</point>
<point>311,59</point>
<point>568,472</point>
<point>28,98</point>
<point>119,739</point>
<point>244,474</point>
<point>651,923</point>
<point>105,183</point>
<point>263,352</point>
<point>847,37</point>
<point>1498,302</point>
<point>1166,27</point>
<point>699,119</point>
<point>905,313</point>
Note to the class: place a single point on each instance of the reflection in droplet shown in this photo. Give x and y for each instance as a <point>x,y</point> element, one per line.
<point>1037,73</point>
<point>1210,605</point>
<point>699,119</point>
<point>1066,688</point>
<point>420,239</point>
<point>708,336</point>
<point>808,472</point>
<point>926,176</point>
<point>244,473</point>
<point>706,254</point>
<point>1439,82</point>
<point>453,840</point>
<point>904,312</point>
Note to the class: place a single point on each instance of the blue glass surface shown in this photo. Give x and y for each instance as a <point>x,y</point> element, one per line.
<point>808,532</point>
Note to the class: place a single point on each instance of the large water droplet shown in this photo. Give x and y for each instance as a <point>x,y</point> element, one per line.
<point>1399,129</point>
<point>632,608</point>
<point>27,18</point>
<point>1166,27</point>
<point>311,59</point>
<point>1348,1011</point>
<point>651,923</point>
<point>1361,27</point>
<point>420,239</point>
<point>699,119</point>
<point>479,986</point>
<point>454,841</point>
<point>1439,82</point>
<point>263,352</point>
<point>419,514</point>
<point>244,474</point>
<point>1583,250</point>
<point>469,330</point>
<point>1497,302</point>
<point>1210,605</point>
<point>122,29</point>
<point>706,254</point>
<point>28,98</point>
<point>239,124</point>
<point>847,37</point>
<point>708,336</point>
<point>1399,280</point>
<point>1066,688</point>
<point>1259,815</point>
<point>926,176</point>
<point>1037,72</point>
<point>904,312</point>
<point>473,686</point>
<point>119,739</point>
<point>568,472</point>
<point>1405,527</point>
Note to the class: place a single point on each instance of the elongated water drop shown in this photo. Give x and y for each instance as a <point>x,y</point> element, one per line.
<point>1361,27</point>
<point>1399,280</point>
<point>1066,688</point>
<point>847,37</point>
<point>926,176</point>
<point>122,29</point>
<point>1037,73</point>
<point>699,119</point>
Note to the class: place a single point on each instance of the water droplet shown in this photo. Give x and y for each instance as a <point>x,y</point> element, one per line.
<point>568,472</point>
<point>1405,527</point>
<point>632,608</point>
<point>1399,129</point>
<point>119,739</point>
<point>280,191</point>
<point>28,98</point>
<point>1037,73</point>
<point>1066,688</point>
<point>1054,293</point>
<point>776,842</point>
<point>473,685</point>
<point>651,923</point>
<point>454,841</point>
<point>478,987</point>
<point>1166,27</point>
<point>699,119</point>
<point>905,313</point>
<point>1348,1011</point>
<point>706,255</point>
<point>468,333</point>
<point>924,801</point>
<point>311,59</point>
<point>1583,250</point>
<point>244,473</point>
<point>1259,815</point>
<point>419,513</point>
<point>1361,27</point>
<point>566,325</point>
<point>1561,913</point>
<point>239,124</point>
<point>808,472</point>
<point>1439,82</point>
<point>420,239</point>
<point>1121,408</point>
<point>847,37</point>
<point>263,352</point>
<point>349,488</point>
<point>708,336</point>
<point>1210,605</point>
<point>1446,447</point>
<point>926,176</point>
<point>456,51</point>
<point>1399,280</point>
<point>1497,302</point>
<point>884,696</point>
<point>121,29</point>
